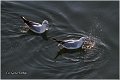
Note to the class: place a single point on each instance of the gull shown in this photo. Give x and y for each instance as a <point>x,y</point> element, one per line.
<point>34,26</point>
<point>83,42</point>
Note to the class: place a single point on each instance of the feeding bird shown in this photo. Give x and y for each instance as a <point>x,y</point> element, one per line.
<point>83,42</point>
<point>35,27</point>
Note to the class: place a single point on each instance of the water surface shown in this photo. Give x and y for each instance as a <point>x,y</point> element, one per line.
<point>28,56</point>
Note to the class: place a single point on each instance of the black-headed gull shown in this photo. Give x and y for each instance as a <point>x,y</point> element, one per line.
<point>83,42</point>
<point>36,27</point>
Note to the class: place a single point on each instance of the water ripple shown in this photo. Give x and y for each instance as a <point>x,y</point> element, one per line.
<point>35,55</point>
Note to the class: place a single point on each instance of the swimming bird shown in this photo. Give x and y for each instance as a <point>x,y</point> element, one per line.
<point>36,27</point>
<point>83,42</point>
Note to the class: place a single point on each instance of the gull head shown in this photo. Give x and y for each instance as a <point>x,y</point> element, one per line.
<point>45,22</point>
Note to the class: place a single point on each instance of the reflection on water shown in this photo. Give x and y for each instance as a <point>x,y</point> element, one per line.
<point>43,35</point>
<point>39,56</point>
<point>63,51</point>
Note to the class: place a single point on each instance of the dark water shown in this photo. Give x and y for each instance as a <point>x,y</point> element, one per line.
<point>28,56</point>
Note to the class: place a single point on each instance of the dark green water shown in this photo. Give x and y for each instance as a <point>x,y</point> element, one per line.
<point>30,56</point>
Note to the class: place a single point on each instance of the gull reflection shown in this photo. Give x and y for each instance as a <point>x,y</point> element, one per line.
<point>70,51</point>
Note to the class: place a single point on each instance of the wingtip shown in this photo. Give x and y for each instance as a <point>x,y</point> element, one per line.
<point>24,19</point>
<point>58,41</point>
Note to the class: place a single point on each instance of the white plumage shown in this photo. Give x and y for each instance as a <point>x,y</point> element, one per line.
<point>73,44</point>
